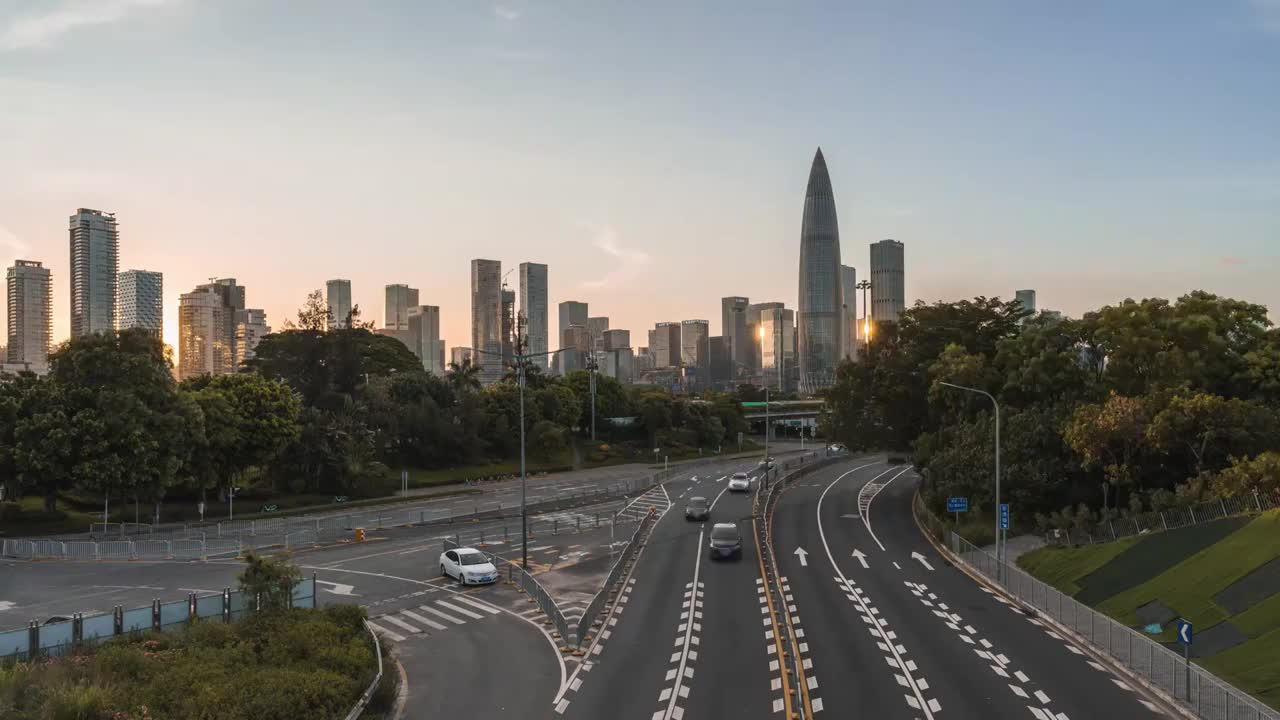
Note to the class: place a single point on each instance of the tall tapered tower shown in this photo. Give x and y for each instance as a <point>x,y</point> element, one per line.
<point>821,298</point>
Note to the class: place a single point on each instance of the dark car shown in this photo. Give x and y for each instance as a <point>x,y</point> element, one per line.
<point>725,541</point>
<point>697,509</point>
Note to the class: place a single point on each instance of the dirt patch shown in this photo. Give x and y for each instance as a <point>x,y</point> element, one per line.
<point>1251,589</point>
<point>1152,556</point>
<point>1156,613</point>
<point>1222,636</point>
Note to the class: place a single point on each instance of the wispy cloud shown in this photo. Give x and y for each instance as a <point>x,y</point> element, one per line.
<point>507,13</point>
<point>1267,13</point>
<point>624,263</point>
<point>1232,261</point>
<point>42,28</point>
<point>11,247</point>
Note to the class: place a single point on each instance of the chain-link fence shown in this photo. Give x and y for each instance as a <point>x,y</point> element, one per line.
<point>1149,661</point>
<point>1171,519</point>
<point>60,637</point>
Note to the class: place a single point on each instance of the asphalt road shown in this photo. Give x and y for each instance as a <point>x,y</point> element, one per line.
<point>908,636</point>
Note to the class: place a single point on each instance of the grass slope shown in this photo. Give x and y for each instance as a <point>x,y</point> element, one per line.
<point>1064,568</point>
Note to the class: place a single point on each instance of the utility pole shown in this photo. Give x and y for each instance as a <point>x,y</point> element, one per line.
<point>864,286</point>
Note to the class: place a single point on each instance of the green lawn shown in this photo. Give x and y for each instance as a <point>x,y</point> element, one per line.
<point>1189,586</point>
<point>1063,568</point>
<point>1253,666</point>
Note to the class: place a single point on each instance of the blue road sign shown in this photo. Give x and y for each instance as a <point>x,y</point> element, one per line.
<point>957,504</point>
<point>1004,516</point>
<point>1184,631</point>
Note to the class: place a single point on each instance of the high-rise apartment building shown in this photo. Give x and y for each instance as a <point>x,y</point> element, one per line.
<point>777,357</point>
<point>30,296</point>
<point>424,334</point>
<point>533,308</point>
<point>695,338</point>
<point>576,342</point>
<point>141,301</point>
<point>251,327</point>
<point>733,328</point>
<point>597,326</point>
<point>849,311</point>
<point>664,345</point>
<point>754,312</point>
<point>399,298</point>
<point>888,289</point>
<point>508,327</point>
<point>486,318</point>
<point>337,296</point>
<point>571,312</point>
<point>720,360</point>
<point>820,315</point>
<point>616,340</point>
<point>206,343</point>
<point>1026,298</point>
<point>95,262</point>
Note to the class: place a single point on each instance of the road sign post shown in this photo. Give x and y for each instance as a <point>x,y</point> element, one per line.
<point>957,505</point>
<point>1002,539</point>
<point>1184,637</point>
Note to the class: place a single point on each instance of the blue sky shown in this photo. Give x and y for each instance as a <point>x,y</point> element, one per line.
<point>653,154</point>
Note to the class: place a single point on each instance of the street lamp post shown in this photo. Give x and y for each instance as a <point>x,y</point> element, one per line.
<point>1000,551</point>
<point>864,286</point>
<point>524,475</point>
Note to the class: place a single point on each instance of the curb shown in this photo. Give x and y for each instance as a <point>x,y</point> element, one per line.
<point>1155,695</point>
<point>402,696</point>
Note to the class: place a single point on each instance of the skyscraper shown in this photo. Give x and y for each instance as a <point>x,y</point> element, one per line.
<point>399,299</point>
<point>576,341</point>
<point>533,307</point>
<point>424,331</point>
<point>754,312</point>
<point>596,327</point>
<point>95,253</point>
<point>616,339</point>
<point>205,347</point>
<point>819,316</point>
<point>459,356</point>
<point>849,311</point>
<point>30,295</point>
<point>141,301</point>
<point>695,337</point>
<point>1026,298</point>
<point>888,292</point>
<point>733,328</point>
<point>337,295</point>
<point>571,312</point>
<point>664,345</point>
<point>777,359</point>
<point>251,327</point>
<point>486,318</point>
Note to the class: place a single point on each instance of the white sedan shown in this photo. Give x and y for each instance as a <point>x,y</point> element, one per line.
<point>468,566</point>
<point>739,482</point>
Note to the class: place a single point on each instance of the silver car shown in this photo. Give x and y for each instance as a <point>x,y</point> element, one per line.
<point>697,509</point>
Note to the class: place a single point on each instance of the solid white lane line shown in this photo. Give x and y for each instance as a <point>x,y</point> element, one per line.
<point>383,631</point>
<point>712,506</point>
<point>866,513</point>
<point>400,623</point>
<point>688,637</point>
<point>482,605</point>
<point>460,610</point>
<point>446,616</point>
<point>418,618</point>
<point>878,628</point>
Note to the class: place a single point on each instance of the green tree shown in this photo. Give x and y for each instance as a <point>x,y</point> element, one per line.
<point>315,315</point>
<point>328,367</point>
<point>249,420</point>
<point>1259,474</point>
<point>1209,429</point>
<point>1112,436</point>
<point>269,581</point>
<point>464,377</point>
<point>547,440</point>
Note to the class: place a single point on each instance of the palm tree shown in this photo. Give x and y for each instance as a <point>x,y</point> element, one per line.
<point>464,377</point>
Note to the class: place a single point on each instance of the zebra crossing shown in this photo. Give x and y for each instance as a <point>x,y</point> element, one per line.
<point>655,497</point>
<point>434,617</point>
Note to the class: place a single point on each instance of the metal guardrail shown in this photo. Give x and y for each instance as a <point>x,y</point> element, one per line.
<point>591,615</point>
<point>367,695</point>
<point>56,638</point>
<point>1152,663</point>
<point>1171,519</point>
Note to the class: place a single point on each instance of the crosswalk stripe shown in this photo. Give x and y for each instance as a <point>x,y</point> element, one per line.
<point>476,603</point>
<point>397,621</point>
<point>394,636</point>
<point>462,611</point>
<point>446,616</point>
<point>418,618</point>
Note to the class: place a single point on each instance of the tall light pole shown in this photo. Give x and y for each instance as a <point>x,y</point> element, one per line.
<point>593,364</point>
<point>520,360</point>
<point>766,408</point>
<point>1000,551</point>
<point>864,286</point>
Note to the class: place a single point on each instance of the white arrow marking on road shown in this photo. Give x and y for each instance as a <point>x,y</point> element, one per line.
<point>852,516</point>
<point>6,605</point>
<point>862,558</point>
<point>338,588</point>
<point>804,562</point>
<point>918,556</point>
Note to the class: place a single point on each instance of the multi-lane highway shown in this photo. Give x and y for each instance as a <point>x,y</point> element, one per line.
<point>874,620</point>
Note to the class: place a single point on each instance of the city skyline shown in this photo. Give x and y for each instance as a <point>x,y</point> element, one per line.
<point>1087,151</point>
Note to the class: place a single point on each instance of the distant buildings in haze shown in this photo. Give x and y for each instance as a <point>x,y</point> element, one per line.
<point>216,332</point>
<point>849,312</point>
<point>533,308</point>
<point>337,296</point>
<point>399,298</point>
<point>29,288</point>
<point>820,315</point>
<point>888,288</point>
<point>1026,298</point>
<point>486,318</point>
<point>141,302</point>
<point>95,261</point>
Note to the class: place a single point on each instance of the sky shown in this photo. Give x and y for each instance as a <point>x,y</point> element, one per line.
<point>653,154</point>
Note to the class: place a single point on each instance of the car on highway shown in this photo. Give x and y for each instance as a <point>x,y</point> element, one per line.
<point>726,542</point>
<point>739,482</point>
<point>697,509</point>
<point>468,566</point>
